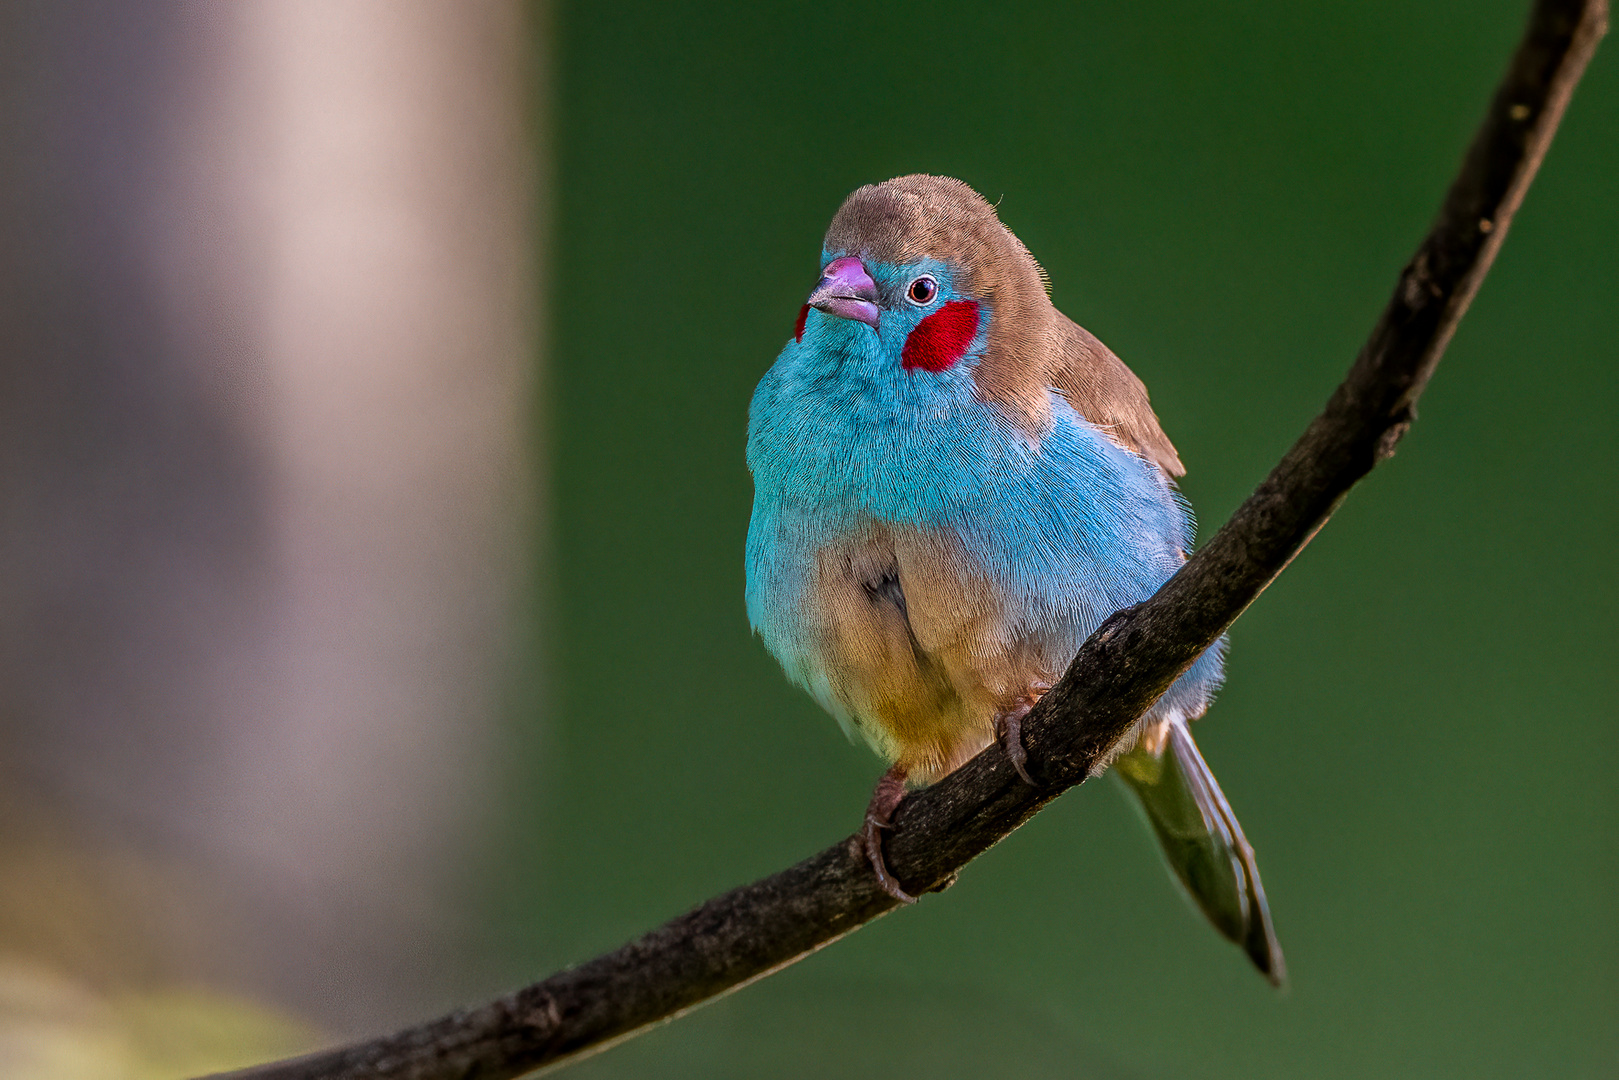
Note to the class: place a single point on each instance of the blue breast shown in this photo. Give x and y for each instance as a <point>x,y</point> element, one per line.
<point>1068,526</point>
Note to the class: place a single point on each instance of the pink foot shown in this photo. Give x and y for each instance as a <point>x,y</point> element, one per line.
<point>884,799</point>
<point>1009,730</point>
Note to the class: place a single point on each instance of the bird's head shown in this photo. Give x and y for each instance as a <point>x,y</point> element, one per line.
<point>926,303</point>
<point>920,273</point>
<point>916,305</point>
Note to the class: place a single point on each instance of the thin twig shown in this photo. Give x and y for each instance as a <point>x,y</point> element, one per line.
<point>757,929</point>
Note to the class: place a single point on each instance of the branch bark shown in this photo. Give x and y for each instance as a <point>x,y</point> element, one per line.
<point>755,930</point>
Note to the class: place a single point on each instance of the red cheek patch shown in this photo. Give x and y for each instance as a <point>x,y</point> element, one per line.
<point>798,327</point>
<point>942,338</point>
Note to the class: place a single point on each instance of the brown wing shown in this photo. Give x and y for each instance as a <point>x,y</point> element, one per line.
<point>1108,394</point>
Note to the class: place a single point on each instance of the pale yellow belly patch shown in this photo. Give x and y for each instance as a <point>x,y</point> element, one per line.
<point>923,669</point>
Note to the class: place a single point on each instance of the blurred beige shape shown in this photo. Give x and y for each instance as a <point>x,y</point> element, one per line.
<point>267,376</point>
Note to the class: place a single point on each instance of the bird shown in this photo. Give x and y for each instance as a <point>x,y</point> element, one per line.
<point>954,486</point>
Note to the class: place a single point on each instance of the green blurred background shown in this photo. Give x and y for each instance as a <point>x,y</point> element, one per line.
<point>373,383</point>
<point>1418,728</point>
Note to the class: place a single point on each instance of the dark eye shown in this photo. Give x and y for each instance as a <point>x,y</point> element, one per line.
<point>923,290</point>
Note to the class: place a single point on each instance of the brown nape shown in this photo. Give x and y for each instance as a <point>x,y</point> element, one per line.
<point>1032,345</point>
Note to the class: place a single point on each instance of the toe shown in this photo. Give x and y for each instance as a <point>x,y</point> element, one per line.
<point>872,840</point>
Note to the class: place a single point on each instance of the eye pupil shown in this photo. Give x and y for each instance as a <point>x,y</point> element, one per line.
<point>923,290</point>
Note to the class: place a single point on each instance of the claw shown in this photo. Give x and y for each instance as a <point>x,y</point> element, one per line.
<point>886,796</point>
<point>1009,730</point>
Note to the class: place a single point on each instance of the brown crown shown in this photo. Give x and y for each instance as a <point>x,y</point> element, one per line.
<point>1032,346</point>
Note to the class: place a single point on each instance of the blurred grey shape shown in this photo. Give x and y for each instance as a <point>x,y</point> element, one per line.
<point>266,497</point>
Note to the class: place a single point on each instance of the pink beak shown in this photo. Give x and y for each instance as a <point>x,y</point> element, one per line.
<point>847,291</point>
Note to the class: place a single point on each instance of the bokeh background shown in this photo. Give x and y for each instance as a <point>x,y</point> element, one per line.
<point>371,633</point>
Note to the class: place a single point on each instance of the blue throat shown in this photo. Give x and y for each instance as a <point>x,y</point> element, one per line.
<point>840,433</point>
<point>1065,525</point>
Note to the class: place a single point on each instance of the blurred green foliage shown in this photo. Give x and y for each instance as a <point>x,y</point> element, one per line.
<point>90,985</point>
<point>55,1028</point>
<point>1418,726</point>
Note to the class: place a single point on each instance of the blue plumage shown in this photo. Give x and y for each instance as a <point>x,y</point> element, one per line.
<point>954,486</point>
<point>1068,526</point>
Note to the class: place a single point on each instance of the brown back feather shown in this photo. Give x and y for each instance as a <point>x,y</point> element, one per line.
<point>1107,393</point>
<point>1032,346</point>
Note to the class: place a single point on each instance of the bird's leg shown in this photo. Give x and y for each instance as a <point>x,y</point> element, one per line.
<point>1009,729</point>
<point>884,798</point>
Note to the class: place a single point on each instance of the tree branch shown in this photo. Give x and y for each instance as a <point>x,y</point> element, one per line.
<point>759,928</point>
